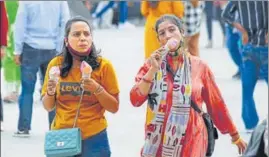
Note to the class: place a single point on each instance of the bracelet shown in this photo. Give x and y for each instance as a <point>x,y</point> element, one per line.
<point>146,80</point>
<point>98,90</point>
<point>237,141</point>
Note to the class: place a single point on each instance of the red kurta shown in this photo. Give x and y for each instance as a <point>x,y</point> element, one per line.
<point>204,89</point>
<point>3,24</point>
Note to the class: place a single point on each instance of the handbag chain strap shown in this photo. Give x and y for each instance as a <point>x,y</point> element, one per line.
<point>79,104</point>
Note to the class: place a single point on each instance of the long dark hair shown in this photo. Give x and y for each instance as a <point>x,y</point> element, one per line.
<point>67,62</point>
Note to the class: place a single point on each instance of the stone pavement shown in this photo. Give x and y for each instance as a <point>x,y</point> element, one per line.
<point>125,49</point>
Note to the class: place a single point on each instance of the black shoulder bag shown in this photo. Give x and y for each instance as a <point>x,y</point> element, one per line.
<point>211,130</point>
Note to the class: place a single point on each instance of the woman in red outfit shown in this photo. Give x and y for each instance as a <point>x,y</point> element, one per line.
<point>169,82</point>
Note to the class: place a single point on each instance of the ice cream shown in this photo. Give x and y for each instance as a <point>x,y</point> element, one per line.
<point>54,73</point>
<point>86,70</point>
<point>170,45</point>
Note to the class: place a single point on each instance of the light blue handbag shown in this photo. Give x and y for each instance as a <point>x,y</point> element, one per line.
<point>64,142</point>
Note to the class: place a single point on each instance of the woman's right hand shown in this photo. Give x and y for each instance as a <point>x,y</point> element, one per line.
<point>51,89</point>
<point>156,59</point>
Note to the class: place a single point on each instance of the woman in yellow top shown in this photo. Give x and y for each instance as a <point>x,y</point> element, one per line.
<point>101,91</point>
<point>152,11</point>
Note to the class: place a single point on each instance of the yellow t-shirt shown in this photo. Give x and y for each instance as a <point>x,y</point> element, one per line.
<point>91,119</point>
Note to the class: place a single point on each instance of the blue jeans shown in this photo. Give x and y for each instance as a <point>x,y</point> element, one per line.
<point>232,41</point>
<point>209,18</point>
<point>51,117</point>
<point>254,65</point>
<point>31,61</point>
<point>211,13</point>
<point>123,5</point>
<point>96,146</point>
<point>105,9</point>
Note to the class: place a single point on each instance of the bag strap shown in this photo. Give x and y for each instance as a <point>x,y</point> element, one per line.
<point>78,109</point>
<point>195,107</point>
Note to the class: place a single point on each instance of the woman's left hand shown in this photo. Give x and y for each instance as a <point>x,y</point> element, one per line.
<point>89,84</point>
<point>242,145</point>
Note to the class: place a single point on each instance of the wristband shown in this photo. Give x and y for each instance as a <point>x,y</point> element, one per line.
<point>237,141</point>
